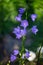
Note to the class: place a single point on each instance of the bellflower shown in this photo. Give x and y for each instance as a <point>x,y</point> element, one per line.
<point>33,17</point>
<point>21,10</point>
<point>23,32</point>
<point>27,55</point>
<point>16,30</point>
<point>24,23</point>
<point>12,58</point>
<point>18,36</point>
<point>16,52</point>
<point>19,32</point>
<point>18,18</point>
<point>34,29</point>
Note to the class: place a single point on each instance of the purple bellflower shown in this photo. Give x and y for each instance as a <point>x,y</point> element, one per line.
<point>34,29</point>
<point>19,32</point>
<point>33,17</point>
<point>24,23</point>
<point>27,55</point>
<point>16,30</point>
<point>23,32</point>
<point>18,18</point>
<point>12,58</point>
<point>16,52</point>
<point>18,36</point>
<point>21,10</point>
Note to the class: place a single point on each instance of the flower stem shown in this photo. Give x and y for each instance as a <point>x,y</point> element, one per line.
<point>23,47</point>
<point>39,55</point>
<point>21,62</point>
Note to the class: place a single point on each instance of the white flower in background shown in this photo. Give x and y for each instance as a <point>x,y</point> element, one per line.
<point>29,55</point>
<point>39,49</point>
<point>32,56</point>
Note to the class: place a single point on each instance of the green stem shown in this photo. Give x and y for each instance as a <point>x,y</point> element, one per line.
<point>23,47</point>
<point>21,62</point>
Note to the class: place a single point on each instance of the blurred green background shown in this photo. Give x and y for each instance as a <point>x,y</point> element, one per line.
<point>8,11</point>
